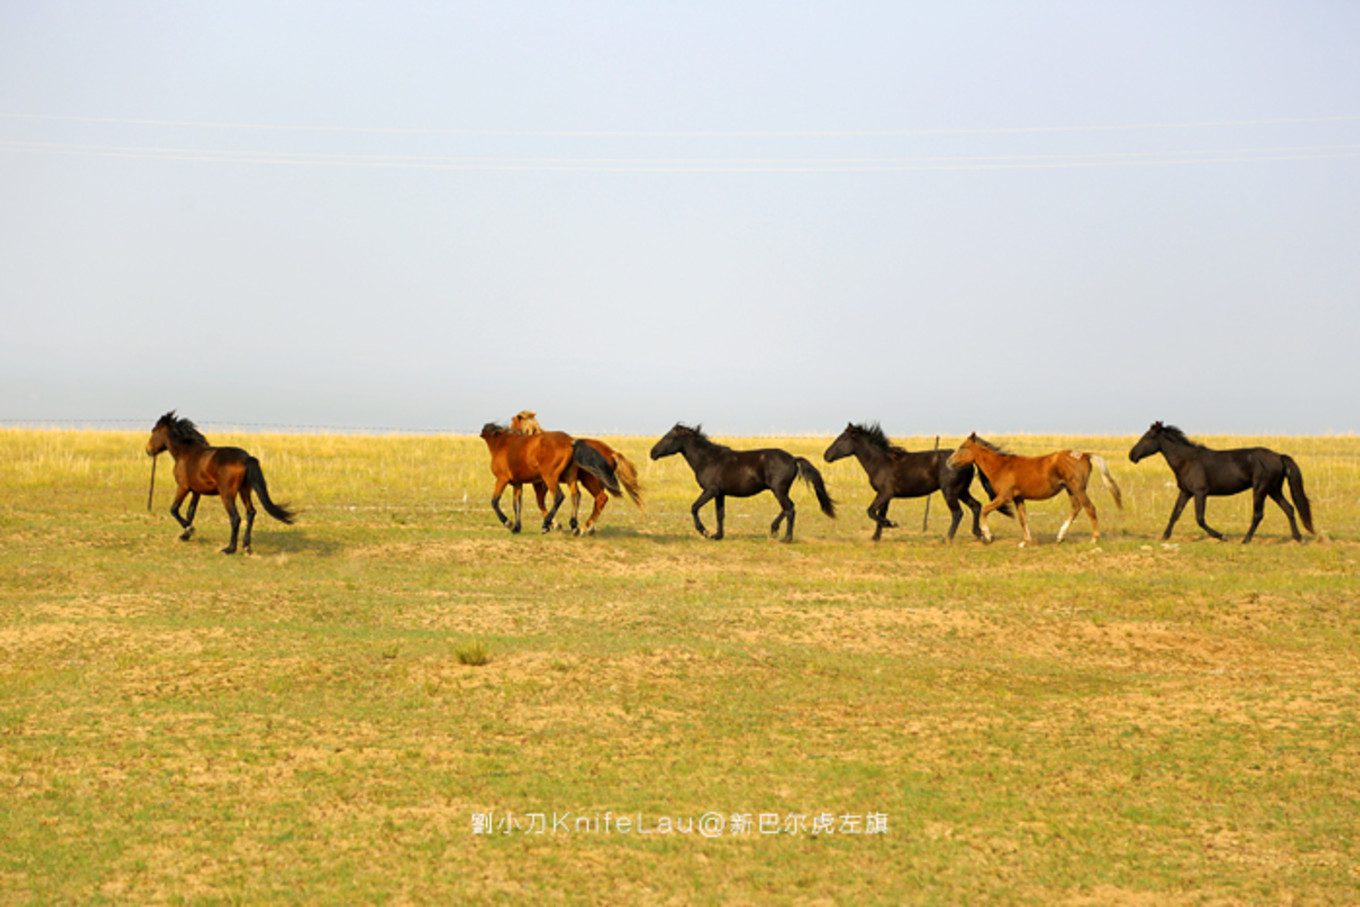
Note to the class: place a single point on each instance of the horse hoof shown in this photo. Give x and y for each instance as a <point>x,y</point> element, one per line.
<point>186,534</point>
<point>228,550</point>
<point>576,531</point>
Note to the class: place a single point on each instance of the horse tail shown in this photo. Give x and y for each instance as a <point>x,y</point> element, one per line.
<point>593,462</point>
<point>1295,475</point>
<point>255,476</point>
<point>808,473</point>
<point>1004,509</point>
<point>628,478</point>
<point>1107,479</point>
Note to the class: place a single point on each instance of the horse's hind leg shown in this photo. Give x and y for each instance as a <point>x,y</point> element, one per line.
<point>1258,510</point>
<point>1277,495</point>
<point>250,517</point>
<point>1023,517</point>
<point>786,513</point>
<point>1079,500</point>
<point>229,502</point>
<point>956,516</point>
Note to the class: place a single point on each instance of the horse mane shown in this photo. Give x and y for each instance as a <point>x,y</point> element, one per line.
<point>994,448</point>
<point>495,428</point>
<point>1175,434</point>
<point>873,433</point>
<point>182,430</point>
<point>697,432</point>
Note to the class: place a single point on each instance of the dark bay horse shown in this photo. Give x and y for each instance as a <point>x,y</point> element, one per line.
<point>1018,479</point>
<point>542,460</point>
<point>525,421</point>
<point>1201,472</point>
<point>722,471</point>
<point>202,469</point>
<point>895,472</point>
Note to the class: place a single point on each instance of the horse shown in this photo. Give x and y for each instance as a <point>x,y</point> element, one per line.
<point>1018,479</point>
<point>895,472</point>
<point>524,421</point>
<point>1201,472</point>
<point>545,460</point>
<point>203,469</point>
<point>722,471</point>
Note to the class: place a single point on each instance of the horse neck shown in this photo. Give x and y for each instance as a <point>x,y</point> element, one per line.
<point>1176,452</point>
<point>987,459</point>
<point>181,449</point>
<point>698,452</point>
<point>870,456</point>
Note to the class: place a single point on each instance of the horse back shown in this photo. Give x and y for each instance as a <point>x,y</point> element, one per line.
<point>918,473</point>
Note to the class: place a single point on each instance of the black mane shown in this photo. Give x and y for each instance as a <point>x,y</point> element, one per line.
<point>697,432</point>
<point>182,430</point>
<point>1175,434</point>
<point>873,433</point>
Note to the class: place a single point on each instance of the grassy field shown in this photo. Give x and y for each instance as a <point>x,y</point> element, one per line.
<point>662,718</point>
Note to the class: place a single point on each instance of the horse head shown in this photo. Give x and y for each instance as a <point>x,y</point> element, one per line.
<point>1149,444</point>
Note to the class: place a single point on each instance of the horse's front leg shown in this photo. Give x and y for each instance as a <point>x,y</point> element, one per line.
<point>496,501</point>
<point>703,499</point>
<point>185,522</point>
<point>1200,500</point>
<point>878,512</point>
<point>995,504</point>
<point>1176,513</point>
<point>720,512</point>
<point>518,498</point>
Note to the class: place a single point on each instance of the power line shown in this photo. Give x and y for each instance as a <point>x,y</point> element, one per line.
<point>569,133</point>
<point>696,165</point>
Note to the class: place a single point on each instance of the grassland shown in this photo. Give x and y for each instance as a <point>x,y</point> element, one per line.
<point>1131,722</point>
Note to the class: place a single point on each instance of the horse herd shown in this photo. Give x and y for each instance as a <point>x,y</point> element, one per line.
<point>522,453</point>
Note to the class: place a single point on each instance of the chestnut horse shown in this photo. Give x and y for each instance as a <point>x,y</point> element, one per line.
<point>543,460</point>
<point>1201,471</point>
<point>525,421</point>
<point>722,471</point>
<point>1018,479</point>
<point>202,469</point>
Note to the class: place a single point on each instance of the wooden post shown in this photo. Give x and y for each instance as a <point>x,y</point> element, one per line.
<point>925,520</point>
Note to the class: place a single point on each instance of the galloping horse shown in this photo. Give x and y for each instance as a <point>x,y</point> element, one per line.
<point>544,459</point>
<point>1018,479</point>
<point>525,421</point>
<point>897,473</point>
<point>202,469</point>
<point>1201,472</point>
<point>722,471</point>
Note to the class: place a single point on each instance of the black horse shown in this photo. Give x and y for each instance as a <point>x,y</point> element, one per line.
<point>1201,472</point>
<point>722,471</point>
<point>897,473</point>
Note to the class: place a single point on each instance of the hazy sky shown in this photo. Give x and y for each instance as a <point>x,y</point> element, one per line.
<point>769,217</point>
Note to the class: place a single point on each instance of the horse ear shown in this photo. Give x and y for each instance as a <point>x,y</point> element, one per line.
<point>973,436</point>
<point>1157,426</point>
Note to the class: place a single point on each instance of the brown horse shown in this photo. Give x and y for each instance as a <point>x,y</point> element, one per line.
<point>525,421</point>
<point>1018,479</point>
<point>202,469</point>
<point>545,461</point>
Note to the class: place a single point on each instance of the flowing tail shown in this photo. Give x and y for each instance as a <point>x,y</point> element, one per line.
<point>1004,509</point>
<point>255,476</point>
<point>593,462</point>
<point>1107,479</point>
<point>1291,469</point>
<point>628,478</point>
<point>808,473</point>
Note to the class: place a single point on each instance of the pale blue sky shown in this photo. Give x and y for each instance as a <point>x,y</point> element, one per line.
<point>1067,217</point>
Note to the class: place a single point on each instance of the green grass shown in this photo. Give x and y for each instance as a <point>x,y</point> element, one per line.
<point>1076,723</point>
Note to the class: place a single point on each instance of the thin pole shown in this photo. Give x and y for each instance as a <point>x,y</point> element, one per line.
<point>925,520</point>
<point>150,490</point>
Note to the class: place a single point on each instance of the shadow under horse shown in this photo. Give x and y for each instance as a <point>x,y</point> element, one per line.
<point>545,461</point>
<point>895,472</point>
<point>1201,471</point>
<point>1016,479</point>
<point>203,469</point>
<point>722,471</point>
